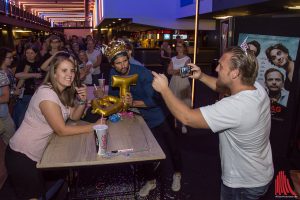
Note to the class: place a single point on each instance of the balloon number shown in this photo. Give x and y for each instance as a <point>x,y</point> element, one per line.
<point>109,105</point>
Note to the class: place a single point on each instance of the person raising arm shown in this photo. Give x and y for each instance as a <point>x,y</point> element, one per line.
<point>241,139</point>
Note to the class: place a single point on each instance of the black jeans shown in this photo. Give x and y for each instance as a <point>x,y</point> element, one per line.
<point>27,180</point>
<point>167,140</point>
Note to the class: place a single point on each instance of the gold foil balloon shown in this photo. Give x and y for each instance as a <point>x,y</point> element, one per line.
<point>107,105</point>
<point>124,82</point>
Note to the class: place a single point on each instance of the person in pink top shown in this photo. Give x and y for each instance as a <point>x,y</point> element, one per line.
<point>58,99</point>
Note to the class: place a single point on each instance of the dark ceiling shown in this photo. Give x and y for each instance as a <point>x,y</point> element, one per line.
<point>269,8</point>
<point>272,8</point>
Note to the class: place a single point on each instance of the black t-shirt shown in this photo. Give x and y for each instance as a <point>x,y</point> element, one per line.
<point>30,84</point>
<point>45,57</point>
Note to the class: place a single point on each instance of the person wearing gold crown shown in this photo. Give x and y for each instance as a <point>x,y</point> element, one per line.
<point>145,99</point>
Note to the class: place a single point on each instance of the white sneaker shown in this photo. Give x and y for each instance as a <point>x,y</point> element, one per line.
<point>176,182</point>
<point>183,129</point>
<point>150,185</point>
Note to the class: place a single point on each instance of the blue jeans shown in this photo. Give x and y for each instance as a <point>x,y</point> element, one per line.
<point>228,193</point>
<point>20,110</point>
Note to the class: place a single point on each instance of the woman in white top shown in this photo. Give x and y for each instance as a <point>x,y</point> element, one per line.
<point>86,68</point>
<point>180,86</point>
<point>96,58</point>
<point>7,126</point>
<point>51,105</point>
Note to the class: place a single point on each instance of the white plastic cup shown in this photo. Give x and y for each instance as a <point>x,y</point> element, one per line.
<point>101,83</point>
<point>101,138</point>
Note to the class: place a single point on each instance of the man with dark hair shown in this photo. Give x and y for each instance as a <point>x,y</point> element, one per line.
<point>242,120</point>
<point>278,55</point>
<point>274,80</point>
<point>146,100</point>
<point>254,46</point>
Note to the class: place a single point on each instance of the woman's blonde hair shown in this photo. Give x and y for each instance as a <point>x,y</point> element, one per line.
<point>67,96</point>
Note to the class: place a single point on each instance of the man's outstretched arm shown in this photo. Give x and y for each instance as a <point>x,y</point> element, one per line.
<point>188,116</point>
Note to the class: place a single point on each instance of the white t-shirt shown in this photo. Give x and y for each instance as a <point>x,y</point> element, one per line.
<point>243,122</point>
<point>179,62</point>
<point>93,58</point>
<point>35,132</point>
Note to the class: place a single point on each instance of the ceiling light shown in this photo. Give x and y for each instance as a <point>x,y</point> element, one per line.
<point>114,22</point>
<point>21,31</point>
<point>222,17</point>
<point>293,7</point>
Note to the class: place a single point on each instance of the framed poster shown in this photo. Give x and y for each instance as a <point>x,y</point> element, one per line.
<point>276,57</point>
<point>226,34</point>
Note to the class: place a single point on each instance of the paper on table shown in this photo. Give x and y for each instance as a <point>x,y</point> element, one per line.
<point>127,138</point>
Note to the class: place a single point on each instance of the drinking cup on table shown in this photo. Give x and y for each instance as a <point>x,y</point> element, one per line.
<point>101,83</point>
<point>101,138</point>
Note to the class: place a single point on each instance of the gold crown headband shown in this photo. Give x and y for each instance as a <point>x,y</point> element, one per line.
<point>114,48</point>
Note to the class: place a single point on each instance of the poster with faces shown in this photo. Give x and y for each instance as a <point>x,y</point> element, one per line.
<point>276,56</point>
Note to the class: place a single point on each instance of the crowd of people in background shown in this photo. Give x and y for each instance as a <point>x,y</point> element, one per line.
<point>47,84</point>
<point>27,74</point>
<point>27,64</point>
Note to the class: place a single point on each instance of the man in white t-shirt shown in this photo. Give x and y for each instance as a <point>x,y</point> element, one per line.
<point>242,120</point>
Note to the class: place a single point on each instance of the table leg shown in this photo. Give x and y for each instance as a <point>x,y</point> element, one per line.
<point>135,181</point>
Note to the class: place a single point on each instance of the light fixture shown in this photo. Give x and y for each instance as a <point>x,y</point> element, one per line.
<point>119,19</point>
<point>293,7</point>
<point>222,17</point>
<point>114,22</point>
<point>21,31</point>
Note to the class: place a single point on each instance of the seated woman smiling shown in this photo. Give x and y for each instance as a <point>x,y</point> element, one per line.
<point>51,105</point>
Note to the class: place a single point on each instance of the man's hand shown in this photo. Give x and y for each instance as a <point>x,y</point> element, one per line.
<point>127,99</point>
<point>160,82</point>
<point>197,73</point>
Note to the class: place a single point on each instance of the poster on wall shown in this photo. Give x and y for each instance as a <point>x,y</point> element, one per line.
<point>224,36</point>
<point>276,56</point>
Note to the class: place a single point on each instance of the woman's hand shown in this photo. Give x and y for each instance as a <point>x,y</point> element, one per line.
<point>99,93</point>
<point>82,92</point>
<point>37,75</point>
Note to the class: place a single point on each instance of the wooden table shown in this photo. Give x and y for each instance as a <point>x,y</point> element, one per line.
<point>80,150</point>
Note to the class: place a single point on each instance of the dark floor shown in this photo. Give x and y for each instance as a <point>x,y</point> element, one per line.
<point>201,173</point>
<point>201,167</point>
